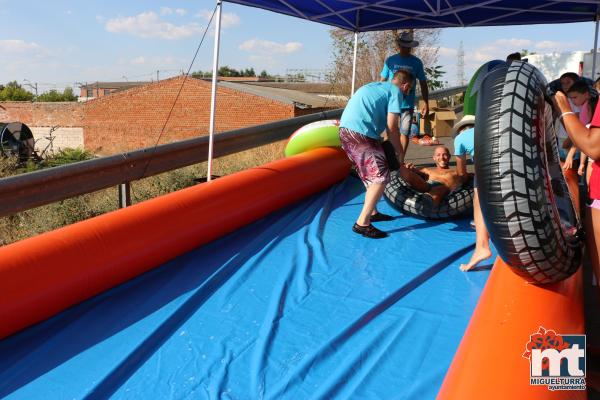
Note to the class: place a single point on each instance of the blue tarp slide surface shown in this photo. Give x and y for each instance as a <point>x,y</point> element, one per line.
<point>294,306</point>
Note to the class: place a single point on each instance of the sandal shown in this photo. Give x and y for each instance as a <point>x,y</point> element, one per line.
<point>379,217</point>
<point>369,231</point>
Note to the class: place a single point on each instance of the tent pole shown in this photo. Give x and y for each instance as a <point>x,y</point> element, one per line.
<point>595,51</point>
<point>354,61</point>
<point>213,93</point>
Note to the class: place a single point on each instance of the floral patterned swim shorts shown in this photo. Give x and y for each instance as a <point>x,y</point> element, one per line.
<point>367,155</point>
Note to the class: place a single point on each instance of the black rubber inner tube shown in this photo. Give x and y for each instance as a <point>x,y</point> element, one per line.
<point>403,197</point>
<point>523,194</point>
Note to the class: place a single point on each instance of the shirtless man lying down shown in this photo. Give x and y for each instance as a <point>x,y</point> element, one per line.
<point>435,182</point>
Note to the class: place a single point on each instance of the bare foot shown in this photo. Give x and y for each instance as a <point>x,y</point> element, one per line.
<point>478,256</point>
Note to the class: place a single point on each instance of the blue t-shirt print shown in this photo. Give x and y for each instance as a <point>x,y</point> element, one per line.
<point>367,110</point>
<point>409,63</point>
<point>464,143</point>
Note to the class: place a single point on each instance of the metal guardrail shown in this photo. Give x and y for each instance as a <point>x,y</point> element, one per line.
<point>34,189</point>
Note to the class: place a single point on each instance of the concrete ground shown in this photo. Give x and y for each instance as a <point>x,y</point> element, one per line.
<point>422,155</point>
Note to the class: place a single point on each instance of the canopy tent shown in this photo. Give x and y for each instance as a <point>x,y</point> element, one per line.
<point>364,16</point>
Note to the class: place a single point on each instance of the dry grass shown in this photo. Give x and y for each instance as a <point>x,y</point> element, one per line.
<point>53,216</point>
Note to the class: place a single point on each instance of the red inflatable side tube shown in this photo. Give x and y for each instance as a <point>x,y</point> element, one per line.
<point>43,275</point>
<point>488,363</point>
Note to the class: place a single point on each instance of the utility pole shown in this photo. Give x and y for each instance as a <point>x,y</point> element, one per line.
<point>157,79</point>
<point>460,66</point>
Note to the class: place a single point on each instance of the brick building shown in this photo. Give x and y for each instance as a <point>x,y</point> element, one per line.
<point>100,89</point>
<point>134,118</point>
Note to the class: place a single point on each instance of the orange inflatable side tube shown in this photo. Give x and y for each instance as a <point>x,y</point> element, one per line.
<point>488,363</point>
<point>43,275</point>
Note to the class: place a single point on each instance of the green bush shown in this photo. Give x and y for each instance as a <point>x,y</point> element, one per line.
<point>68,156</point>
<point>54,95</point>
<point>12,91</point>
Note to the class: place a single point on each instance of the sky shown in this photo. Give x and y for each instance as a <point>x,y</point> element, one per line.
<point>62,43</point>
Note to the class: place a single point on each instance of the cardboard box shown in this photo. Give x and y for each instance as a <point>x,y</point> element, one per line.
<point>432,104</point>
<point>440,121</point>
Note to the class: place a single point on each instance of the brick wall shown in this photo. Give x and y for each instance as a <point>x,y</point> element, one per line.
<point>63,137</point>
<point>65,114</point>
<point>132,119</point>
<point>40,117</point>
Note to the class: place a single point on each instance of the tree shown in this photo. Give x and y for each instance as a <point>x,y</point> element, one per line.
<point>264,74</point>
<point>227,71</point>
<point>373,49</point>
<point>12,91</point>
<point>525,53</point>
<point>434,75</point>
<point>54,95</point>
<point>201,74</point>
<point>249,72</point>
<point>69,95</point>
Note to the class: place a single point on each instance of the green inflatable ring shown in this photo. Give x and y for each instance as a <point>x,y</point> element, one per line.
<point>470,102</point>
<point>314,135</point>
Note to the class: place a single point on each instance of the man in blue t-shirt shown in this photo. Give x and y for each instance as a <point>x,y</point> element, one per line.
<point>371,111</point>
<point>406,61</point>
<point>464,144</point>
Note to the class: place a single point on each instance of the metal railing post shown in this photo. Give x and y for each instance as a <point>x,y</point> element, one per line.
<point>124,194</point>
<point>354,62</point>
<point>213,93</point>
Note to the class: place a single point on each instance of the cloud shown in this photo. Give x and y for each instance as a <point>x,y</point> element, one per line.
<point>149,25</point>
<point>266,47</point>
<point>31,60</point>
<point>520,43</point>
<point>556,46</point>
<point>20,47</point>
<point>228,20</point>
<point>152,60</point>
<point>500,48</point>
<point>264,62</point>
<point>447,52</point>
<point>497,50</point>
<point>138,60</point>
<point>168,11</point>
<point>264,53</point>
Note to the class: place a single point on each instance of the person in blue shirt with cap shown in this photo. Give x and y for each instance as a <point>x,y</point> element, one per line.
<point>406,61</point>
<point>372,111</point>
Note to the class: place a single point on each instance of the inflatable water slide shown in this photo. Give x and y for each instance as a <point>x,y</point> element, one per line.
<point>253,286</point>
